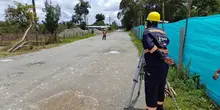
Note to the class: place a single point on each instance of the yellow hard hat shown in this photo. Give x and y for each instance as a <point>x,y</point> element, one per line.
<point>153,16</point>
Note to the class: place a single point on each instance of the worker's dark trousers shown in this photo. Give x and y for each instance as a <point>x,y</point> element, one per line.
<point>104,37</point>
<point>155,81</point>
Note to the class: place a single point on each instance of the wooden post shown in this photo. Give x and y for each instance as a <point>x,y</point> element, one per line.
<point>35,20</point>
<point>189,3</point>
<point>163,16</point>
<point>180,56</point>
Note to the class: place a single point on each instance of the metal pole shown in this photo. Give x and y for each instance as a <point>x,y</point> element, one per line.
<point>189,3</point>
<point>163,16</point>
<point>109,19</point>
<point>135,78</point>
<point>180,56</point>
<point>35,20</point>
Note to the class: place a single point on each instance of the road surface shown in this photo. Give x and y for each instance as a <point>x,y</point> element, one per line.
<point>90,74</point>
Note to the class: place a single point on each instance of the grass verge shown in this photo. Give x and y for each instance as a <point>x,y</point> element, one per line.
<point>136,41</point>
<point>189,96</point>
<point>24,50</point>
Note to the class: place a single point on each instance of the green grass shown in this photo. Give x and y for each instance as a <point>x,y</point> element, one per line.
<point>136,41</point>
<point>72,39</point>
<point>4,53</point>
<point>189,97</point>
<point>110,31</point>
<point>125,30</point>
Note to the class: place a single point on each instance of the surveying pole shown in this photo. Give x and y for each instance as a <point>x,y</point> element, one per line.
<point>138,77</point>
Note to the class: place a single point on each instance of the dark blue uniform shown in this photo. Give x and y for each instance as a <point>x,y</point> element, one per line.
<point>153,40</point>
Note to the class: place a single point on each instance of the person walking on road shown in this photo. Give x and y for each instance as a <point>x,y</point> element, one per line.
<point>155,44</point>
<point>104,34</point>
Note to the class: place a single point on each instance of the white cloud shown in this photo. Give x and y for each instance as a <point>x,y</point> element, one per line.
<point>106,7</point>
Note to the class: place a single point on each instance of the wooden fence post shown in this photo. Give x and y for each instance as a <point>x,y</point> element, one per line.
<point>181,46</point>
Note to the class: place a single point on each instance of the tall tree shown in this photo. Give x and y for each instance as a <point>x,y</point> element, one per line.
<point>78,11</point>
<point>133,13</point>
<point>20,14</point>
<point>79,19</point>
<point>100,17</point>
<point>129,12</point>
<point>35,21</point>
<point>99,20</point>
<point>206,7</point>
<point>52,18</point>
<point>74,19</point>
<point>85,5</point>
<point>82,9</point>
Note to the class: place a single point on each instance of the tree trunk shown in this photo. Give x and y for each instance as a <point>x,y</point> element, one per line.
<point>55,37</point>
<point>85,18</point>
<point>22,40</point>
<point>35,21</point>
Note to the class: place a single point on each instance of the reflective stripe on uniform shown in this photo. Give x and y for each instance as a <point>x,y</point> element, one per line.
<point>153,49</point>
<point>151,108</point>
<point>165,51</point>
<point>156,30</point>
<point>159,103</point>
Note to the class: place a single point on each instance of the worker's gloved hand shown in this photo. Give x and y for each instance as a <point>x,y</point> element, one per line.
<point>215,76</point>
<point>168,61</point>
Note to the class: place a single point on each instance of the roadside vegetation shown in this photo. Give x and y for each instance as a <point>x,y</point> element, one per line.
<point>27,49</point>
<point>134,12</point>
<point>23,32</point>
<point>189,95</point>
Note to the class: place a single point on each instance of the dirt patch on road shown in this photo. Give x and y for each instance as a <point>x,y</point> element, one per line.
<point>67,100</point>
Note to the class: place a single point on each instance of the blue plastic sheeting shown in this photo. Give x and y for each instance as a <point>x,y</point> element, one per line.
<point>202,48</point>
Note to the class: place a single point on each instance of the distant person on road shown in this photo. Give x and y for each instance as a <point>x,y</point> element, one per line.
<point>216,74</point>
<point>92,31</point>
<point>104,34</point>
<point>155,44</point>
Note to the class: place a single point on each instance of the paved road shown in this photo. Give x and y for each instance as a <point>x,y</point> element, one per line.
<point>90,74</point>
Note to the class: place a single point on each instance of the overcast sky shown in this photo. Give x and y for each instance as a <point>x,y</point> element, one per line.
<point>106,7</point>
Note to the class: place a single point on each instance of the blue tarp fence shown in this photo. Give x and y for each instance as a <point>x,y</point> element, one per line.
<point>202,48</point>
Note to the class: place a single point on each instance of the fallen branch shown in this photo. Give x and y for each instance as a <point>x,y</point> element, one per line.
<point>15,47</point>
<point>171,93</point>
<point>20,46</point>
<point>169,90</point>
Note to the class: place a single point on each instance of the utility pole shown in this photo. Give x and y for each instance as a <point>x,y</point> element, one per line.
<point>35,20</point>
<point>140,22</point>
<point>189,3</point>
<point>163,15</point>
<point>109,20</point>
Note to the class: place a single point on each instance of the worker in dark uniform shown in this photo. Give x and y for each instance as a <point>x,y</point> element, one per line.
<point>155,44</point>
